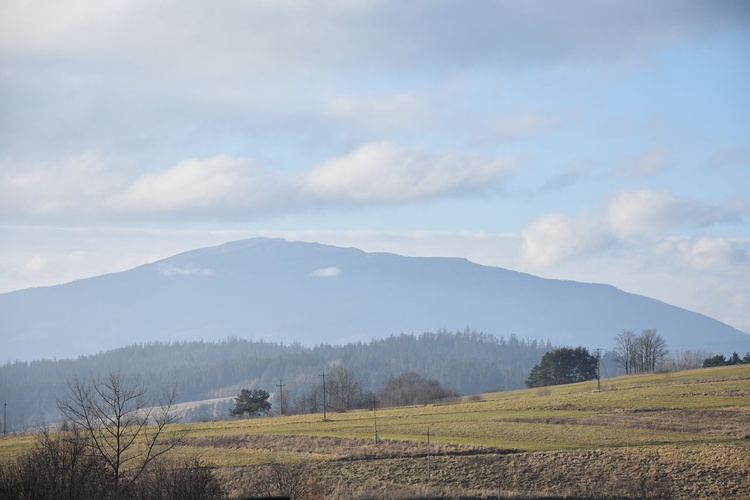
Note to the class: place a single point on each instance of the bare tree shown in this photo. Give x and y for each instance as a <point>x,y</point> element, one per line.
<point>625,350</point>
<point>653,349</point>
<point>314,399</point>
<point>640,353</point>
<point>345,391</point>
<point>124,426</point>
<point>686,360</point>
<point>291,480</point>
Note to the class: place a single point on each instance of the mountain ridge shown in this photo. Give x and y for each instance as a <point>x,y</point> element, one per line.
<point>310,292</point>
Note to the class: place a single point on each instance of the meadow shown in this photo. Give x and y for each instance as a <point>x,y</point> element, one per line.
<point>668,435</point>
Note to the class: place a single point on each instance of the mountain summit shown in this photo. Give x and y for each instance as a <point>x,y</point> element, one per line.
<point>284,291</point>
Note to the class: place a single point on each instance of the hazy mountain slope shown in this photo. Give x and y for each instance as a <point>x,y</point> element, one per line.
<point>284,291</point>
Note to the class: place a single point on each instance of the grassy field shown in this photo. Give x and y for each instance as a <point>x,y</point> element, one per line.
<point>672,435</point>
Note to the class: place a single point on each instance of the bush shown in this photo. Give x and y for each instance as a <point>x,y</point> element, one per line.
<point>61,466</point>
<point>292,480</point>
<point>412,389</point>
<point>187,480</point>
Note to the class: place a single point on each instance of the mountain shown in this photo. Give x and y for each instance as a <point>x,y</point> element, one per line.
<point>282,291</point>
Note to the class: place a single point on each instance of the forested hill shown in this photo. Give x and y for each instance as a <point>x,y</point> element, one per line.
<point>467,362</point>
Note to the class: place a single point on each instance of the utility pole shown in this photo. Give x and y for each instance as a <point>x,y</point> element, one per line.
<point>281,397</point>
<point>599,370</point>
<point>429,475</point>
<point>375,417</point>
<point>324,395</point>
<point>5,419</point>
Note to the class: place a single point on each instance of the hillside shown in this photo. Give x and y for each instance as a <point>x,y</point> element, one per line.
<point>467,362</point>
<point>282,291</point>
<point>676,435</point>
<point>673,435</point>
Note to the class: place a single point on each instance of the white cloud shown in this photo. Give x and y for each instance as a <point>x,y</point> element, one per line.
<point>702,253</point>
<point>89,187</point>
<point>645,212</point>
<point>555,237</point>
<point>213,183</point>
<point>172,270</point>
<point>49,190</point>
<point>642,212</point>
<point>386,172</point>
<point>35,264</point>
<point>326,272</point>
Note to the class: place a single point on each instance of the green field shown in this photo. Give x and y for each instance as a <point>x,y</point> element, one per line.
<point>681,435</point>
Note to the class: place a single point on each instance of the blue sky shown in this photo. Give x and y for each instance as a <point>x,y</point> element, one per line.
<point>594,141</point>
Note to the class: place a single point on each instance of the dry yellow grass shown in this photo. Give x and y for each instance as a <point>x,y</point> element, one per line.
<point>640,433</point>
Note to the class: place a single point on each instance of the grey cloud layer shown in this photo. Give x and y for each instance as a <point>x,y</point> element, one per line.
<point>166,77</point>
<point>338,33</point>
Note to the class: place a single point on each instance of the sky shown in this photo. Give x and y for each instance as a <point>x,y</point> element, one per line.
<point>593,141</point>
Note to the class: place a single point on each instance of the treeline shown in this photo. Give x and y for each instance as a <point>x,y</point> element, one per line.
<point>720,360</point>
<point>464,362</point>
<point>344,392</point>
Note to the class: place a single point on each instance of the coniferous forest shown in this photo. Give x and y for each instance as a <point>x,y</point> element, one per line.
<point>466,362</point>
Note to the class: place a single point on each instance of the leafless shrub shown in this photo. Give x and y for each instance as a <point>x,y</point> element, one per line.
<point>60,466</point>
<point>294,480</point>
<point>186,480</point>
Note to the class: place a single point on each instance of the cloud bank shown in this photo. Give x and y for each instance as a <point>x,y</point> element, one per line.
<point>645,215</point>
<point>205,187</point>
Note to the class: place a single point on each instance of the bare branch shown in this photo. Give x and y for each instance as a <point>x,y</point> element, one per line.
<point>122,425</point>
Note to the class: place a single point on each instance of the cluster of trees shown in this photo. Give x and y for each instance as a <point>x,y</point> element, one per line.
<point>412,389</point>
<point>720,360</point>
<point>689,359</point>
<point>340,391</point>
<point>565,365</point>
<point>467,361</point>
<point>113,445</point>
<point>343,392</point>
<point>635,353</point>
<point>638,353</point>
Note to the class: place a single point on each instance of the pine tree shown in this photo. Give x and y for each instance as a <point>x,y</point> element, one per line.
<point>253,402</point>
<point>563,366</point>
